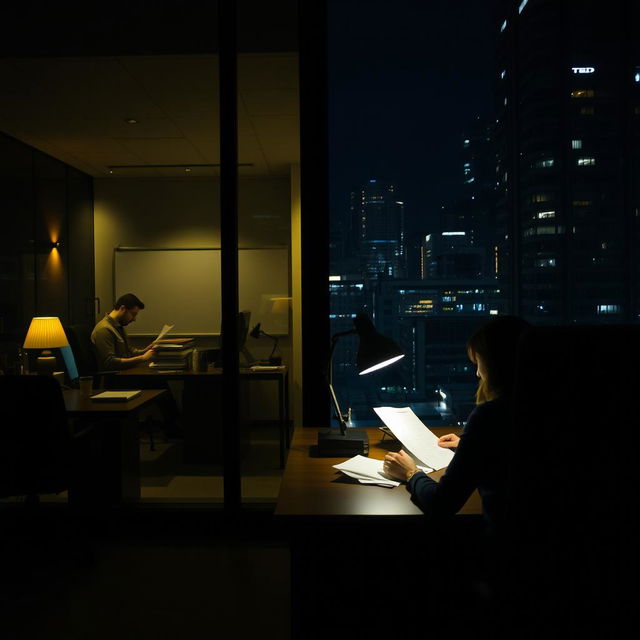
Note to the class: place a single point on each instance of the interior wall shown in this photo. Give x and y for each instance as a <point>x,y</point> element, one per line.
<point>186,213</point>
<point>42,201</point>
<point>182,213</point>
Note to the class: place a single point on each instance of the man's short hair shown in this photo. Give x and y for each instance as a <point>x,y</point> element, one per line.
<point>129,301</point>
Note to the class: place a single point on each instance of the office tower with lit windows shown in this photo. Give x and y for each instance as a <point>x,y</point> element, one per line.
<point>463,242</point>
<point>569,149</point>
<point>377,214</point>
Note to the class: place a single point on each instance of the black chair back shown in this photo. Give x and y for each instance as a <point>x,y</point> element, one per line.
<point>573,480</point>
<point>79,337</point>
<point>35,437</point>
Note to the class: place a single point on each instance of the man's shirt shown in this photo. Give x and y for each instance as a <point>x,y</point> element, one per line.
<point>111,345</point>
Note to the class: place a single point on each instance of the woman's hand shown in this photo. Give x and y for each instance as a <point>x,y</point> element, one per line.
<point>399,465</point>
<point>450,441</point>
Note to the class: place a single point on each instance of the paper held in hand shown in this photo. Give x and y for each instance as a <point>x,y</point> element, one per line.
<point>163,332</point>
<point>415,436</point>
<point>416,439</point>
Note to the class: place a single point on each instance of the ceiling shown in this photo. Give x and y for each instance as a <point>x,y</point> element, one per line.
<point>76,109</point>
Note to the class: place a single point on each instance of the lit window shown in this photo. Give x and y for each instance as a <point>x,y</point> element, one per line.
<point>546,214</point>
<point>603,309</point>
<point>583,93</point>
<point>543,164</point>
<point>582,203</point>
<point>587,111</point>
<point>586,162</point>
<point>576,144</point>
<point>546,262</point>
<point>541,197</point>
<point>542,231</point>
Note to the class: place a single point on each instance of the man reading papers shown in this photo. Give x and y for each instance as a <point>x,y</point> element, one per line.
<point>113,353</point>
<point>110,339</point>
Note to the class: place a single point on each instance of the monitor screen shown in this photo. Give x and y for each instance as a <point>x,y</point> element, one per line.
<point>69,363</point>
<point>243,319</point>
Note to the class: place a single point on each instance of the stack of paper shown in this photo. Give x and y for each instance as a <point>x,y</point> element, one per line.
<point>367,471</point>
<point>171,353</point>
<point>417,440</point>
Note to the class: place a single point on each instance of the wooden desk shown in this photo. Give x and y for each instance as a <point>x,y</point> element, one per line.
<point>279,375</point>
<point>311,487</point>
<point>118,479</point>
<point>345,536</point>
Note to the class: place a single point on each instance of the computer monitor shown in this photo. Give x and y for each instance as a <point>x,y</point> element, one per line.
<point>70,365</point>
<point>243,321</point>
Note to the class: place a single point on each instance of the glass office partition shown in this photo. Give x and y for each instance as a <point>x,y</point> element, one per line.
<point>268,156</point>
<point>157,235</point>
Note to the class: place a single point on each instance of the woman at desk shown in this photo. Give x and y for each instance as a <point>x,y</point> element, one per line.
<point>479,461</point>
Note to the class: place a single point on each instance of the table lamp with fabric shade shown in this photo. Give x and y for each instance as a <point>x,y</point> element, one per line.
<point>45,333</point>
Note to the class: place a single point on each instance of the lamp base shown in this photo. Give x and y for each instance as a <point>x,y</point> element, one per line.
<point>332,444</point>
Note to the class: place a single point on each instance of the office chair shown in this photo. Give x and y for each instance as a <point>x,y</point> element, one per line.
<point>79,337</point>
<point>35,452</point>
<point>567,547</point>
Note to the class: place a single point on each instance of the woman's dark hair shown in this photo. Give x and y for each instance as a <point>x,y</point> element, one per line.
<point>496,343</point>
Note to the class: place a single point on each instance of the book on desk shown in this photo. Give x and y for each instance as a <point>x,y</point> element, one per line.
<point>116,396</point>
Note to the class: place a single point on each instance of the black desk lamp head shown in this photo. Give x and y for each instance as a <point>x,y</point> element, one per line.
<point>375,351</point>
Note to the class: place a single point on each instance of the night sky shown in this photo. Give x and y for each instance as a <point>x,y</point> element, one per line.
<point>406,79</point>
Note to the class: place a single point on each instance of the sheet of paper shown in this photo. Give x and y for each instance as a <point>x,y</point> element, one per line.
<point>163,332</point>
<point>364,468</point>
<point>416,438</point>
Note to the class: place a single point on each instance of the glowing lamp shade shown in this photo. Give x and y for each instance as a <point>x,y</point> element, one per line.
<point>375,351</point>
<point>45,333</point>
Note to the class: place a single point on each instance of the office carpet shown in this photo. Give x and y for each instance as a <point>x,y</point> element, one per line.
<point>165,477</point>
<point>140,589</point>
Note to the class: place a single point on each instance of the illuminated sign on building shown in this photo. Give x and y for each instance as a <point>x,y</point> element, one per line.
<point>583,69</point>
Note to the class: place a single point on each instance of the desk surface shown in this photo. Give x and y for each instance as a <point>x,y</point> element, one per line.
<point>312,487</point>
<point>75,402</point>
<point>144,370</point>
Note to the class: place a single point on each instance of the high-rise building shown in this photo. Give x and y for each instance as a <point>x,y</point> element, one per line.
<point>378,219</point>
<point>461,244</point>
<point>569,148</point>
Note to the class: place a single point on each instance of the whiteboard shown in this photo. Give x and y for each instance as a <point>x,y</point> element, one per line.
<point>182,287</point>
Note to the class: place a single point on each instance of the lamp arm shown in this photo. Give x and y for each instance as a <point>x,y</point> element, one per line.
<point>336,407</point>
<point>329,376</point>
<point>275,342</point>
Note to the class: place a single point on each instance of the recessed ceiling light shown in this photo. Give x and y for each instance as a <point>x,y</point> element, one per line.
<point>131,121</point>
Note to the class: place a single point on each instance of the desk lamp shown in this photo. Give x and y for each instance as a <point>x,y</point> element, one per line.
<point>257,332</point>
<point>374,352</point>
<point>45,334</point>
